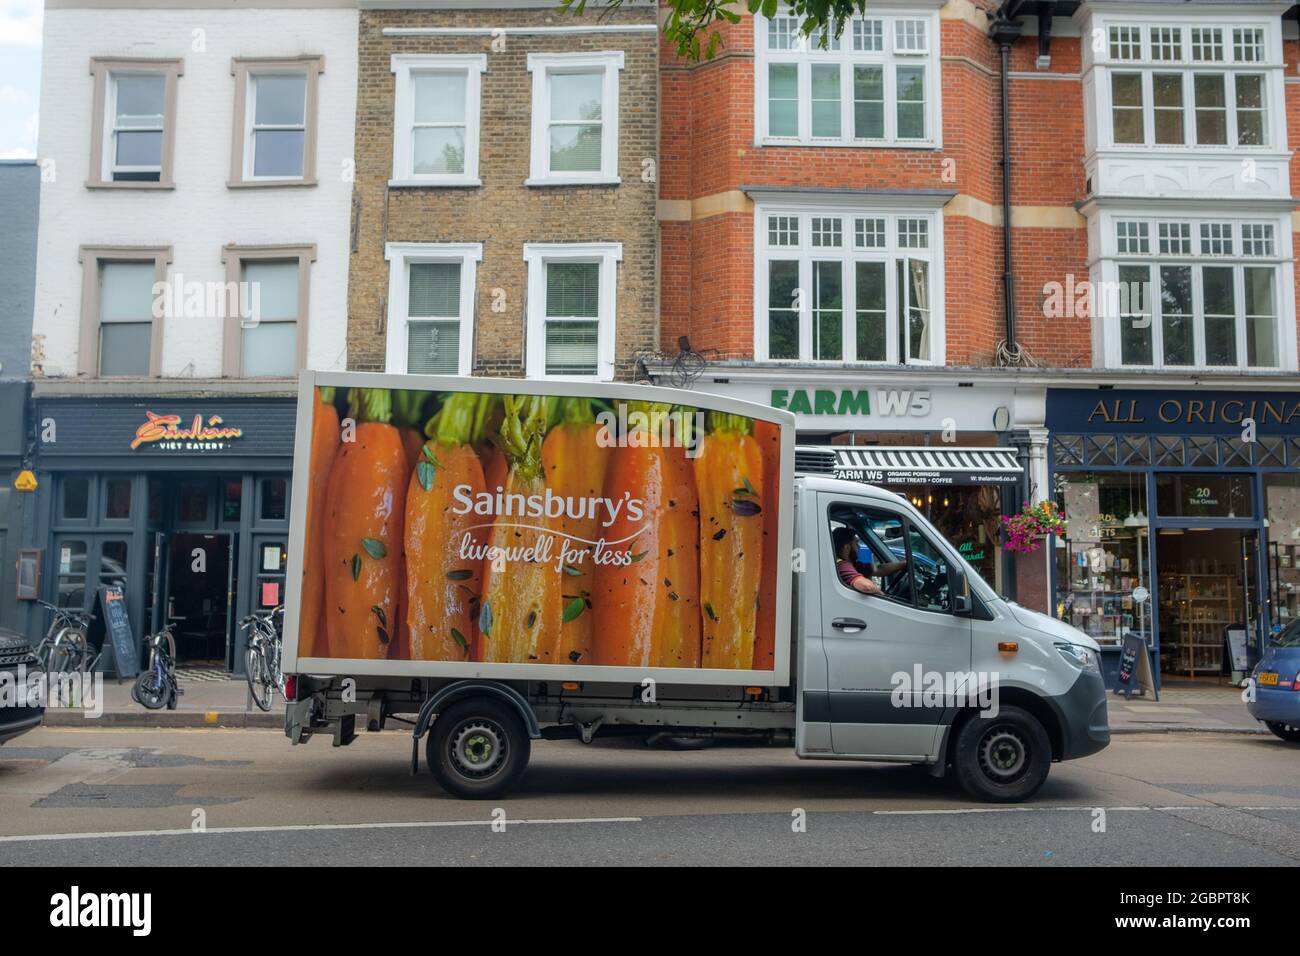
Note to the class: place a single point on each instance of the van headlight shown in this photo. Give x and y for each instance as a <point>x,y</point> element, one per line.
<point>1084,658</point>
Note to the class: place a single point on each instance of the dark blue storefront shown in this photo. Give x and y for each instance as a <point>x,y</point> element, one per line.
<point>181,501</point>
<point>1191,495</point>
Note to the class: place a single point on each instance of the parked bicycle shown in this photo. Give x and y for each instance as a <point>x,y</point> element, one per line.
<point>65,647</point>
<point>157,686</point>
<point>262,657</point>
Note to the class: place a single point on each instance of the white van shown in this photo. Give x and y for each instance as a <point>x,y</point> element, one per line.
<point>932,668</point>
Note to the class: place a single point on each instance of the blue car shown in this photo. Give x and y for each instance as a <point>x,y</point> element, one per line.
<point>1277,685</point>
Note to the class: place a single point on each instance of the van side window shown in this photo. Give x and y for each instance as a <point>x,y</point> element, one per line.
<point>885,537</point>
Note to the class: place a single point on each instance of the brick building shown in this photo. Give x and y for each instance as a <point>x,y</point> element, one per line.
<point>833,241</point>
<point>503,218</point>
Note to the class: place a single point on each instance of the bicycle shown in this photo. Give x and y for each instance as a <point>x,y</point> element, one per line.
<point>65,648</point>
<point>157,685</point>
<point>262,657</point>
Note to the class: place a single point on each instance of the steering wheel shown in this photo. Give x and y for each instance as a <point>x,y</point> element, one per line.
<point>895,582</point>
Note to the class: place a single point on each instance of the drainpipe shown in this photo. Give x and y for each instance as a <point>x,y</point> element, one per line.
<point>1004,33</point>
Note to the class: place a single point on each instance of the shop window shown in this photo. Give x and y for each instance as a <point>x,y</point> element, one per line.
<point>1103,555</point>
<point>1135,450</point>
<point>1202,450</point>
<point>271,558</point>
<point>192,502</point>
<point>1234,452</point>
<point>232,492</point>
<point>1169,451</point>
<point>117,499</point>
<point>76,499</point>
<point>1067,450</point>
<point>275,492</point>
<point>1101,450</point>
<point>1282,493</point>
<point>1270,452</point>
<point>71,573</point>
<point>1205,496</point>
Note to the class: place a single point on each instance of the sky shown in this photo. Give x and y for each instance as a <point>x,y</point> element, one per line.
<point>20,76</point>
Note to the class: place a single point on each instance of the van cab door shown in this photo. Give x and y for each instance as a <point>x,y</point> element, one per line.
<point>877,643</point>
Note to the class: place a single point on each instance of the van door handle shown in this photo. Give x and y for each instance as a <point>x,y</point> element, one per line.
<point>849,624</point>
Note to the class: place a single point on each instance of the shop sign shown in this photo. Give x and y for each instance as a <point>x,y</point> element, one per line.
<point>1166,412</point>
<point>165,432</point>
<point>848,401</point>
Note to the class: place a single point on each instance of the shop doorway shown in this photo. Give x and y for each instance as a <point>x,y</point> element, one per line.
<point>1209,601</point>
<point>198,595</point>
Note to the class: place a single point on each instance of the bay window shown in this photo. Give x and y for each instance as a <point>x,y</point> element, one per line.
<point>1204,294</point>
<point>1195,86</point>
<point>835,285</point>
<point>876,84</point>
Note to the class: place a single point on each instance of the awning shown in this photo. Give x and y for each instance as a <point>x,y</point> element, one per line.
<point>911,466</point>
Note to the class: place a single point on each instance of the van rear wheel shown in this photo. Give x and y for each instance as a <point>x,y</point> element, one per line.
<point>1003,759</point>
<point>1288,732</point>
<point>478,749</point>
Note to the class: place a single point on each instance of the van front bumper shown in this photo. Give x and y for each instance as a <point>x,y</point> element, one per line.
<point>1081,711</point>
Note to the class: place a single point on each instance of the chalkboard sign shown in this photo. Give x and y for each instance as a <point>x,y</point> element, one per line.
<point>1135,671</point>
<point>112,610</point>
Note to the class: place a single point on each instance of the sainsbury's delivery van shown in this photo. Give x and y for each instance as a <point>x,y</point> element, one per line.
<point>504,561</point>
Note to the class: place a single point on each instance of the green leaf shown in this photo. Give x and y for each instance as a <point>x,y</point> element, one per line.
<point>530,620</point>
<point>485,619</point>
<point>356,567</point>
<point>374,547</point>
<point>638,557</point>
<point>460,574</point>
<point>460,639</point>
<point>379,613</point>
<point>572,571</point>
<point>573,609</point>
<point>424,473</point>
<point>708,609</point>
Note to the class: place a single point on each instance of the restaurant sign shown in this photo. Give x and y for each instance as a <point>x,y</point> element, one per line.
<point>169,433</point>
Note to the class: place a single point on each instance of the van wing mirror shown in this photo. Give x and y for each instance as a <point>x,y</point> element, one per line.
<point>961,602</point>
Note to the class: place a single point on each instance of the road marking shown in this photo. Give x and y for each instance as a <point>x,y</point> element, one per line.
<point>291,828</point>
<point>963,810</point>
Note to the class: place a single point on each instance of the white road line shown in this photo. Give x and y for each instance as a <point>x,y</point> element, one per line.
<point>965,810</point>
<point>291,828</point>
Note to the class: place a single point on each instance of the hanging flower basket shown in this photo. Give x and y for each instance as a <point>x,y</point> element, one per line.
<point>1025,531</point>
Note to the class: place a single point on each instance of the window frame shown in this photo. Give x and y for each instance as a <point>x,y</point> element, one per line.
<point>245,70</point>
<point>1227,68</point>
<point>400,256</point>
<point>849,254</point>
<point>102,70</point>
<point>91,258</point>
<point>234,256</point>
<point>405,67</point>
<point>1202,256</point>
<point>889,58</point>
<point>537,255</point>
<point>542,66</point>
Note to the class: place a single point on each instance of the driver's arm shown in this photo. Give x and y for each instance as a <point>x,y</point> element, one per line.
<point>879,570</point>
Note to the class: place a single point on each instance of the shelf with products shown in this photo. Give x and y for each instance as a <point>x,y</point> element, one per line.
<point>1195,609</point>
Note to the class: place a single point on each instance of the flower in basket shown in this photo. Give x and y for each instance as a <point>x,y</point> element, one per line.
<point>1025,531</point>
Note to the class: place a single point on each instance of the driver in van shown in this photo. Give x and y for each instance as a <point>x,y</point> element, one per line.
<point>854,573</point>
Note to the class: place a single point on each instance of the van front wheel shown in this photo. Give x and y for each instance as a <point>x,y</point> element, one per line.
<point>1003,759</point>
<point>478,749</point>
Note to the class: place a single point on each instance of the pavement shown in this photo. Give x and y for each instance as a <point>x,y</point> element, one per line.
<point>217,701</point>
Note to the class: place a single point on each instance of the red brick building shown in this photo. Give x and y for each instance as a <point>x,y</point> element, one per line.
<point>833,239</point>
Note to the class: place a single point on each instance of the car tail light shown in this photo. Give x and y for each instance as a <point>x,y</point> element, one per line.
<point>1295,683</point>
<point>291,687</point>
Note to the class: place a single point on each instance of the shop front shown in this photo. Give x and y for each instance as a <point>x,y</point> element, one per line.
<point>183,503</point>
<point>1184,522</point>
<point>943,445</point>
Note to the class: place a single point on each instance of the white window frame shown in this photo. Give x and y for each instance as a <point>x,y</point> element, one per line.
<point>849,253</point>
<point>537,254</point>
<point>405,68</point>
<point>542,66</point>
<point>1107,308</point>
<point>804,55</point>
<point>250,120</point>
<point>111,129</point>
<point>400,256</point>
<point>1270,67</point>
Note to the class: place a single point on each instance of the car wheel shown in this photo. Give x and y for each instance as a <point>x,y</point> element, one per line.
<point>1288,732</point>
<point>1002,759</point>
<point>478,749</point>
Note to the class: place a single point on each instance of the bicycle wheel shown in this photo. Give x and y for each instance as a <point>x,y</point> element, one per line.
<point>259,678</point>
<point>66,652</point>
<point>151,689</point>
